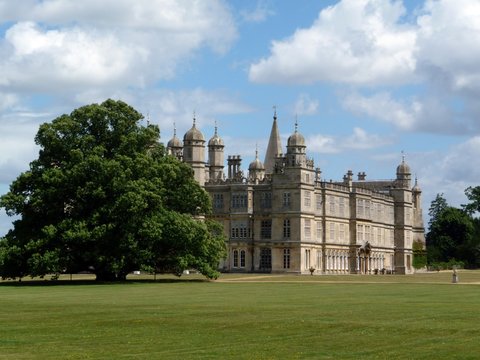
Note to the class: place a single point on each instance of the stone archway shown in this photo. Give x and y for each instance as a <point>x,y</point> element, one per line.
<point>364,253</point>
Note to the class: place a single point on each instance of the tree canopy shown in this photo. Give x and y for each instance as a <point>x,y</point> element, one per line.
<point>104,197</point>
<point>453,233</point>
<point>473,194</point>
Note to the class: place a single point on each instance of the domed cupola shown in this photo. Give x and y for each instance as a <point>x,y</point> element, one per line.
<point>256,164</point>
<point>193,134</point>
<point>175,145</point>
<point>256,169</point>
<point>216,156</point>
<point>194,152</point>
<point>174,142</point>
<point>403,174</point>
<point>296,140</point>
<point>296,149</point>
<point>416,188</point>
<point>216,140</point>
<point>403,168</point>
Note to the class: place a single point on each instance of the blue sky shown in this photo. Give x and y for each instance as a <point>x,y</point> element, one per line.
<point>367,79</point>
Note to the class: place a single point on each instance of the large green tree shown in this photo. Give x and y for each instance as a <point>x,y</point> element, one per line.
<point>451,237</point>
<point>103,196</point>
<point>473,195</point>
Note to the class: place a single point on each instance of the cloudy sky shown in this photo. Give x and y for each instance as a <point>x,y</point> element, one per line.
<point>367,79</point>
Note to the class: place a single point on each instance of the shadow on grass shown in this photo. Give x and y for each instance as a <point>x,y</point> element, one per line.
<point>93,282</point>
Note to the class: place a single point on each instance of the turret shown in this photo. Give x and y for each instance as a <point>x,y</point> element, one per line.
<point>416,196</point>
<point>403,210</point>
<point>403,174</point>
<point>256,170</point>
<point>175,146</point>
<point>216,157</point>
<point>296,149</point>
<point>194,152</point>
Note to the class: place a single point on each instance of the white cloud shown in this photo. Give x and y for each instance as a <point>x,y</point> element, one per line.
<point>44,59</point>
<point>306,105</point>
<point>167,106</point>
<point>132,44</point>
<point>358,140</point>
<point>361,140</point>
<point>383,107</point>
<point>449,44</point>
<point>322,144</point>
<point>354,41</point>
<point>7,101</point>
<point>434,114</point>
<point>261,12</point>
<point>370,44</point>
<point>17,147</point>
<point>460,162</point>
<point>449,172</point>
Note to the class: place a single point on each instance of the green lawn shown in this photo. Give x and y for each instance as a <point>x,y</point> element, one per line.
<point>244,317</point>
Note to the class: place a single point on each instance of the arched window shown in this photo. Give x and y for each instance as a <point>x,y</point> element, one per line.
<point>242,258</point>
<point>235,258</point>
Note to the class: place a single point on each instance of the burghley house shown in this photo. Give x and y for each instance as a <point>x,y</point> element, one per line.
<point>282,217</point>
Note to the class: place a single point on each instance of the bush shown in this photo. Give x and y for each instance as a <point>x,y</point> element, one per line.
<point>449,265</point>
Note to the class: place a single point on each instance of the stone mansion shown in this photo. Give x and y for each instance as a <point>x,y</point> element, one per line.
<point>282,217</point>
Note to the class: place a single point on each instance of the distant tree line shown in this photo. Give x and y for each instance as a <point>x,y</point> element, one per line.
<point>104,197</point>
<point>453,236</point>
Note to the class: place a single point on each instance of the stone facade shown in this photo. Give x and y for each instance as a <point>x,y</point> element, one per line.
<point>284,218</point>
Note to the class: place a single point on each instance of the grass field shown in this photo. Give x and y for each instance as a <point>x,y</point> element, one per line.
<point>244,317</point>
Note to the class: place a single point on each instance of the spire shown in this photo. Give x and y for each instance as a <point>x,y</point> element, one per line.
<point>215,128</point>
<point>296,123</point>
<point>256,151</point>
<point>174,129</point>
<point>194,120</point>
<point>274,145</point>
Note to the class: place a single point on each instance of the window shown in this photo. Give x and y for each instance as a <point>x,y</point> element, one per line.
<point>286,199</point>
<point>218,201</point>
<point>286,229</point>
<point>307,178</point>
<point>341,232</point>
<point>319,202</point>
<point>332,231</point>
<point>367,209</point>
<point>242,258</point>
<point>286,258</point>
<point>239,231</point>
<point>265,259</point>
<point>266,229</point>
<point>341,207</point>
<point>307,199</point>
<point>239,201</point>
<point>331,200</point>
<point>319,259</point>
<point>361,207</point>
<point>390,214</point>
<point>235,258</point>
<point>379,211</point>
<point>319,230</point>
<point>368,233</point>
<point>266,200</point>
<point>308,229</point>
<point>307,259</point>
<point>360,233</point>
